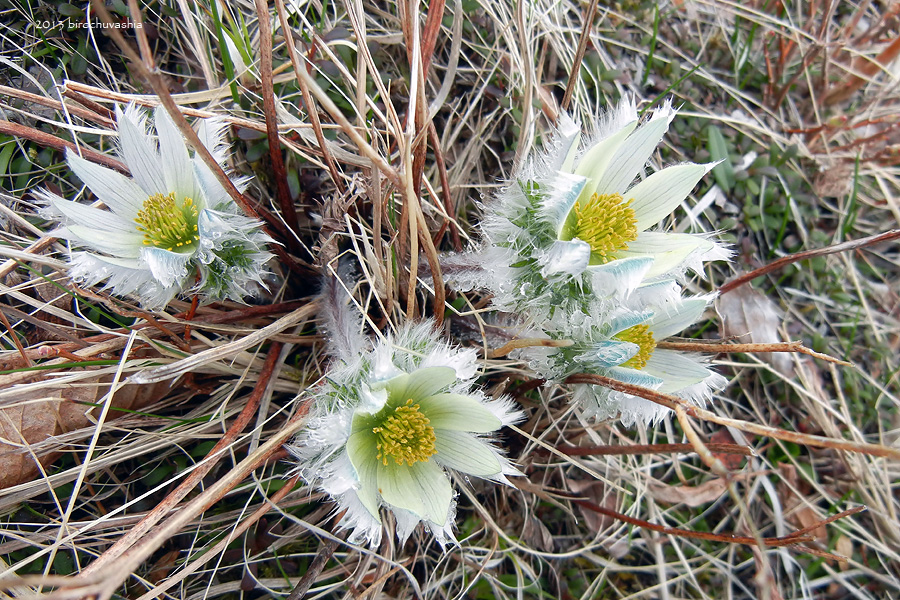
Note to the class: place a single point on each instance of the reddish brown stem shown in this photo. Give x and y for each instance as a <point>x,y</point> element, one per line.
<point>282,191</point>
<point>51,141</point>
<point>893,234</point>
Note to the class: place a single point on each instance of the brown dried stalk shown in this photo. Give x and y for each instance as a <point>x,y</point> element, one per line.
<point>282,191</point>
<point>51,141</point>
<point>527,343</point>
<point>797,346</point>
<point>676,403</point>
<point>893,234</point>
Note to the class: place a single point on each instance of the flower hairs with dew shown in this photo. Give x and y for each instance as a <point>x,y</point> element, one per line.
<point>171,227</point>
<point>571,225</point>
<point>390,420</point>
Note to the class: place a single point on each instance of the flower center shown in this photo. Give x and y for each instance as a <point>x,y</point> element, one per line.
<point>405,435</point>
<point>606,223</point>
<point>643,337</point>
<point>167,225</point>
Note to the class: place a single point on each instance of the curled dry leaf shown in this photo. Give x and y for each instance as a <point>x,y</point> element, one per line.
<point>747,313</point>
<point>27,429</point>
<point>796,511</point>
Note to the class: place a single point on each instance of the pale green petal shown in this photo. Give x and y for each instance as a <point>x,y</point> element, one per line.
<point>677,370</point>
<point>687,312</point>
<point>457,412</point>
<point>363,453</point>
<point>141,155</point>
<point>422,488</point>
<point>122,195</point>
<point>669,250</point>
<point>571,257</point>
<point>657,196</point>
<point>419,384</point>
<point>595,161</point>
<point>634,153</point>
<point>466,454</point>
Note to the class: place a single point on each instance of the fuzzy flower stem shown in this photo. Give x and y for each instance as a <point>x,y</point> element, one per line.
<point>671,401</point>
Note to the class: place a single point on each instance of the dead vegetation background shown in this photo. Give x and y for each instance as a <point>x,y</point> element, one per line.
<point>392,121</point>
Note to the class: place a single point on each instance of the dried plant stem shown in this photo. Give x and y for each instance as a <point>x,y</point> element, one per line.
<point>190,482</point>
<point>282,191</point>
<point>750,349</point>
<point>893,234</point>
<point>315,568</point>
<point>222,544</point>
<point>575,71</point>
<point>51,141</point>
<point>651,449</point>
<point>103,584</point>
<point>797,537</point>
<point>670,401</point>
<point>311,110</point>
<point>55,104</point>
<point>527,343</point>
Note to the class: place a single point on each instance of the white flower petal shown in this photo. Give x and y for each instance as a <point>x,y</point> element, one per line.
<point>95,218</point>
<point>177,169</point>
<point>676,370</point>
<point>620,276</point>
<point>571,257</point>
<point>634,153</point>
<point>121,194</point>
<point>109,242</point>
<point>363,453</point>
<point>656,197</point>
<point>140,154</point>
<point>421,488</point>
<point>466,454</point>
<point>687,312</point>
<point>673,252</point>
<point>168,268</point>
<point>459,413</point>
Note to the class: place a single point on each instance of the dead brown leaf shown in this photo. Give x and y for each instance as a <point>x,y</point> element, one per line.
<point>747,313</point>
<point>39,415</point>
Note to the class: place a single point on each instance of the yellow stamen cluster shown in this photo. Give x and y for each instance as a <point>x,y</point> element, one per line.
<point>607,224</point>
<point>405,435</point>
<point>167,225</point>
<point>643,337</point>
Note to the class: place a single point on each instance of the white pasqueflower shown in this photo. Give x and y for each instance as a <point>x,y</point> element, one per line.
<point>389,423</point>
<point>572,223</point>
<point>624,347</point>
<point>170,227</point>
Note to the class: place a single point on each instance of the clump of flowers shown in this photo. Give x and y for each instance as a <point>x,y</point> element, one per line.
<point>573,247</point>
<point>390,423</point>
<point>170,228</point>
<point>573,226</point>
